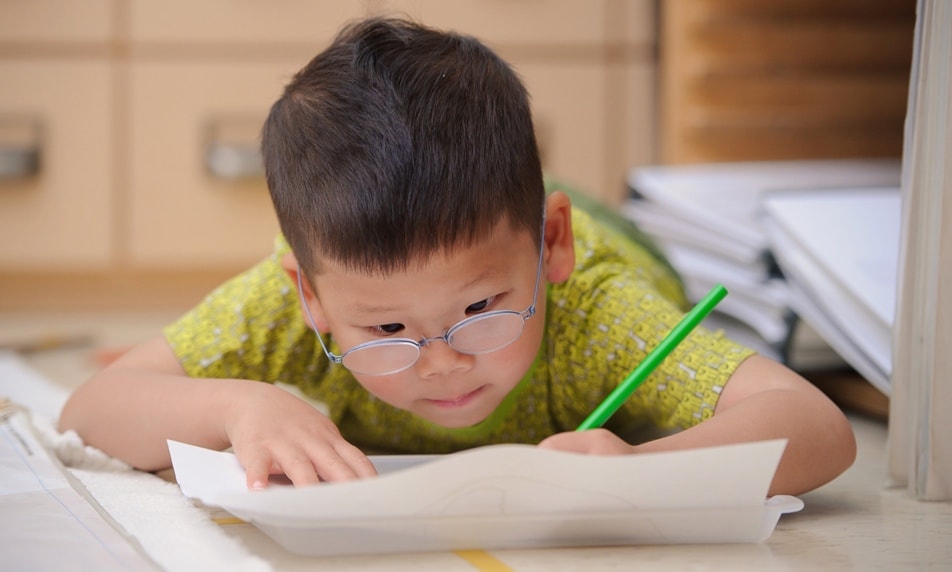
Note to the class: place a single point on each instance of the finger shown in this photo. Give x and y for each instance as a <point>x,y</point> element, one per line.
<point>257,470</point>
<point>592,442</point>
<point>357,460</point>
<point>299,467</point>
<point>333,467</point>
<point>568,441</point>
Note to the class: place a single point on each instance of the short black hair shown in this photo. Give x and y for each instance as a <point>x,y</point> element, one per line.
<point>399,141</point>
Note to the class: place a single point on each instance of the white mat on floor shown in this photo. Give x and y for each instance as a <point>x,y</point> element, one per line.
<point>170,529</point>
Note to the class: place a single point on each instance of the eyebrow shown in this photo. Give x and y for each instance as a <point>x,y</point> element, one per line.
<point>361,308</point>
<point>371,308</point>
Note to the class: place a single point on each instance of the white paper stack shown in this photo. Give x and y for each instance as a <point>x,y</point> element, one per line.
<point>839,249</point>
<point>706,218</point>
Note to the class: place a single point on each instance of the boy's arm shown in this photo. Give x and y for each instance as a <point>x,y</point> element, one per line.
<point>133,405</point>
<point>762,400</point>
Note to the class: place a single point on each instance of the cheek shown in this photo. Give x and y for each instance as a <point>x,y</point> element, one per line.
<point>514,360</point>
<point>534,332</point>
<point>387,388</point>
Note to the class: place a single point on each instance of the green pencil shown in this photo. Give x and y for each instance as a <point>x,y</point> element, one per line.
<point>616,398</point>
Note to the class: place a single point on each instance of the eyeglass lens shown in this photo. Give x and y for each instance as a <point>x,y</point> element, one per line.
<point>478,335</point>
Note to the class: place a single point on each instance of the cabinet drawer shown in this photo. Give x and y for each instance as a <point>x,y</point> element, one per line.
<point>312,22</point>
<point>183,214</point>
<point>56,21</point>
<point>60,215</point>
<point>499,22</point>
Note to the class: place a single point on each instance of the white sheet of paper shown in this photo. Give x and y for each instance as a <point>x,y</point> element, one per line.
<point>45,523</point>
<point>506,496</point>
<point>839,249</point>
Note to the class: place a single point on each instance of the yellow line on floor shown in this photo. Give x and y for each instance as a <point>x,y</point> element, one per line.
<point>480,559</point>
<point>483,561</point>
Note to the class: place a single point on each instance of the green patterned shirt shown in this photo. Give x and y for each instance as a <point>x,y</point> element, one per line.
<point>617,305</point>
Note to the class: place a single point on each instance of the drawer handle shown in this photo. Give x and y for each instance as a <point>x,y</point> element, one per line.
<point>231,147</point>
<point>234,161</point>
<point>20,143</point>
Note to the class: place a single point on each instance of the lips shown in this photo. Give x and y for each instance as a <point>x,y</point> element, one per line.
<point>458,401</point>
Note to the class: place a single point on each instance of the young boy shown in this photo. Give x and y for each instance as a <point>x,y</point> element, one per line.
<point>435,298</point>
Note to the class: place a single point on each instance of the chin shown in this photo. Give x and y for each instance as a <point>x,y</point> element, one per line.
<point>455,420</point>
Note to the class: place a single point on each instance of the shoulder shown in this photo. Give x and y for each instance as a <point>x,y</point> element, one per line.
<point>604,252</point>
<point>239,328</point>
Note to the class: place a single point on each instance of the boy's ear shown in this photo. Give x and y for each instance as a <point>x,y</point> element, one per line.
<point>559,240</point>
<point>307,296</point>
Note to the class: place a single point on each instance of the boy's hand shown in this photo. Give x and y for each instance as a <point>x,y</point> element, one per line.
<point>591,442</point>
<point>274,432</point>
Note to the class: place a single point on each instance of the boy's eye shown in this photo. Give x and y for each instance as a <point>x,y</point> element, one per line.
<point>480,306</point>
<point>390,328</point>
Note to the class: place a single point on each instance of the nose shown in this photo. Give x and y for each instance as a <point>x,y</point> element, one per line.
<point>437,359</point>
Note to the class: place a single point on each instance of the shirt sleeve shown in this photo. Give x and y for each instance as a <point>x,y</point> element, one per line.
<point>615,320</point>
<point>248,328</point>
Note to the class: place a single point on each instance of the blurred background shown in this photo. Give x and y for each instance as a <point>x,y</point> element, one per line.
<point>129,176</point>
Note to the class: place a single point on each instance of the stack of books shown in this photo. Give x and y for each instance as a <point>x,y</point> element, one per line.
<point>709,220</point>
<point>839,251</point>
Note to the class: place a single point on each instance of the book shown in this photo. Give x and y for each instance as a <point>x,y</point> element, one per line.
<point>721,201</point>
<point>920,402</point>
<point>839,251</point>
<point>707,219</point>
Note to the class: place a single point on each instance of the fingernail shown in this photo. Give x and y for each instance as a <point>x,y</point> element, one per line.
<point>259,485</point>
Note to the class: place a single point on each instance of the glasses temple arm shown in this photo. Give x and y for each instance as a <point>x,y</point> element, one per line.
<point>310,318</point>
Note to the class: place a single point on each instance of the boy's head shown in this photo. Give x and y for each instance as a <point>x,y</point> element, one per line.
<point>398,142</point>
<point>404,171</point>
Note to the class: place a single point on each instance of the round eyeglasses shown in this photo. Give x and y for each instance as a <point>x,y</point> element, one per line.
<point>475,335</point>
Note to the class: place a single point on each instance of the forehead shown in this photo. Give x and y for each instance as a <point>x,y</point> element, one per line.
<point>504,255</point>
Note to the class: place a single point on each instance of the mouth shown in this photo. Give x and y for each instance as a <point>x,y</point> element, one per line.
<point>458,401</point>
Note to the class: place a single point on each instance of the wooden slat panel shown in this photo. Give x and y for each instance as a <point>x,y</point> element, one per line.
<point>830,99</point>
<point>749,80</point>
<point>787,9</point>
<point>786,46</point>
<point>775,144</point>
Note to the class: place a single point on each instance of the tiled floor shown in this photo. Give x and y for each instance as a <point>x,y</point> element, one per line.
<point>853,523</point>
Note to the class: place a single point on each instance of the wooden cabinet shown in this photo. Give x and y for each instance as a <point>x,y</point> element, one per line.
<point>46,23</point>
<point>196,28</point>
<point>182,212</point>
<point>150,111</point>
<point>56,137</point>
